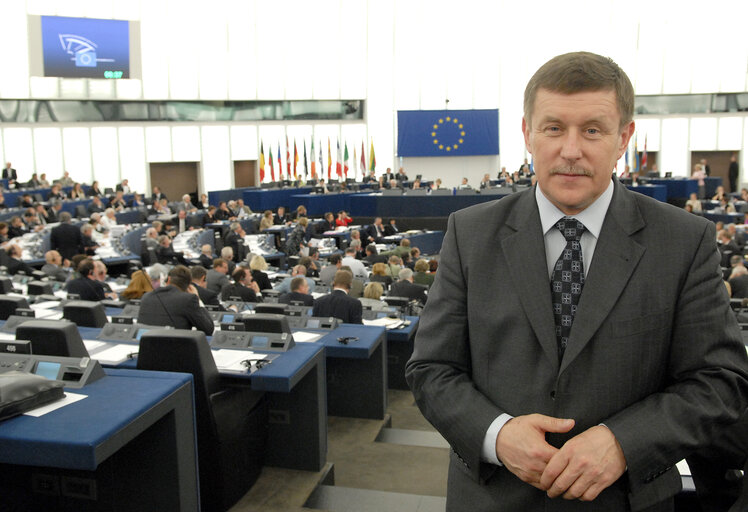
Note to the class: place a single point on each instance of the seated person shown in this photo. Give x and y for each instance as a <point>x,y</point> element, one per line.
<point>177,304</point>
<point>243,288</point>
<point>337,303</point>
<point>421,274</point>
<point>343,219</point>
<point>258,265</point>
<point>56,193</point>
<point>86,286</point>
<point>14,262</point>
<point>166,254</point>
<point>380,274</point>
<point>404,287</point>
<point>299,293</point>
<point>96,205</point>
<point>206,256</point>
<point>88,245</point>
<point>298,270</point>
<point>140,284</point>
<point>372,296</point>
<point>327,274</point>
<point>267,220</point>
<point>53,266</point>
<point>199,281</point>
<point>16,227</point>
<point>118,201</point>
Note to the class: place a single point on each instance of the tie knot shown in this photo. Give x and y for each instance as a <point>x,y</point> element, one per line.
<point>571,228</point>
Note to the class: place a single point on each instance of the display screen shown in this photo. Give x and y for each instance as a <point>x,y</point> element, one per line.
<point>381,315</point>
<point>47,370</point>
<point>85,47</point>
<point>140,333</point>
<point>227,319</point>
<point>313,323</point>
<point>259,341</point>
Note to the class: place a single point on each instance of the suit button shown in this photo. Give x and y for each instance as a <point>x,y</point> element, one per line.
<point>553,394</point>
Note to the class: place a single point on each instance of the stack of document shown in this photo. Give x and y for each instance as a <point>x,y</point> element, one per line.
<point>387,323</point>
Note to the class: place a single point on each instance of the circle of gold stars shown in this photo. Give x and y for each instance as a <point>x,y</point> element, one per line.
<point>447,121</point>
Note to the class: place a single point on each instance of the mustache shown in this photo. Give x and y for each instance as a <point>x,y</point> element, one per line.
<point>571,170</point>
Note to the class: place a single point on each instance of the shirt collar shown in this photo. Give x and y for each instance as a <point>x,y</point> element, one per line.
<point>592,217</point>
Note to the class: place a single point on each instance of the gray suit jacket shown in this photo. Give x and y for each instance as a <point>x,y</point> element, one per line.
<point>654,353</point>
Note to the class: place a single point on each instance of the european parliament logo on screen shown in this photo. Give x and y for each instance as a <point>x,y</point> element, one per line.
<point>447,132</point>
<point>85,47</point>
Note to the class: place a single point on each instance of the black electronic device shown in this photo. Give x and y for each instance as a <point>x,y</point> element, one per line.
<point>374,314</point>
<point>52,337</point>
<point>294,310</point>
<point>85,313</point>
<point>40,288</point>
<point>21,315</point>
<point>9,305</point>
<point>313,322</point>
<point>398,302</point>
<point>123,319</point>
<point>279,309</point>
<point>75,372</point>
<point>232,326</point>
<point>6,284</point>
<point>124,332</point>
<point>15,347</point>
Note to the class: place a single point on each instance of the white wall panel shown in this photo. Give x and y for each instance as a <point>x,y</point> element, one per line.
<point>730,133</point>
<point>154,28</point>
<point>213,52</point>
<point>158,144</point>
<point>19,150</point>
<point>216,169</point>
<point>185,143</point>
<point>244,145</point>
<point>102,89</point>
<point>105,151</point>
<point>270,52</point>
<point>649,130</point>
<point>300,60</point>
<point>44,87</point>
<point>703,134</point>
<point>674,155</point>
<point>132,157</point>
<point>2,150</point>
<point>48,151</point>
<point>326,82</point>
<point>185,37</point>
<point>131,89</point>
<point>352,53</point>
<point>242,53</point>
<point>73,88</point>
<point>14,39</point>
<point>76,145</point>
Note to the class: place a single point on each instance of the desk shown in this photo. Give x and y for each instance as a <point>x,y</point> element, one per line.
<point>658,192</point>
<point>726,218</point>
<point>297,403</point>
<point>677,188</point>
<point>135,430</point>
<point>399,350</point>
<point>370,205</point>
<point>269,199</point>
<point>357,372</point>
<point>319,204</point>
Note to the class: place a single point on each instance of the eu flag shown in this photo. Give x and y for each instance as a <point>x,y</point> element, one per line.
<point>447,132</point>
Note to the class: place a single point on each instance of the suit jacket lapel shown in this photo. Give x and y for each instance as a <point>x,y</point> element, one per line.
<point>616,256</point>
<point>525,254</point>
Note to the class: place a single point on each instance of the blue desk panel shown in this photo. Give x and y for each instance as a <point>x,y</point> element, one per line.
<point>399,349</point>
<point>319,204</point>
<point>727,218</point>
<point>677,188</point>
<point>75,436</point>
<point>269,199</point>
<point>658,192</point>
<point>710,184</point>
<point>414,206</point>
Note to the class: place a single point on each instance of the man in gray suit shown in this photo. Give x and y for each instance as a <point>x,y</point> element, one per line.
<point>579,398</point>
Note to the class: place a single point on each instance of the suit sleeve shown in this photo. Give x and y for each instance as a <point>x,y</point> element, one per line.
<point>357,312</point>
<point>705,377</point>
<point>199,317</point>
<point>440,371</point>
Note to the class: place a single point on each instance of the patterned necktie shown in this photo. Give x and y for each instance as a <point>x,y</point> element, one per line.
<point>567,281</point>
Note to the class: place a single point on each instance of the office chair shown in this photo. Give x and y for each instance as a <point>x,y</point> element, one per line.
<point>398,302</point>
<point>52,338</point>
<point>85,313</point>
<point>80,211</point>
<point>231,423</point>
<point>8,305</point>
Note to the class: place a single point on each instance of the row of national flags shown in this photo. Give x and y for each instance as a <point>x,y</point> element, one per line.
<point>299,167</point>
<point>640,159</point>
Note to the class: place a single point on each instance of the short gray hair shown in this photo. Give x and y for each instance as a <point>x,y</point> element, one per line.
<point>405,274</point>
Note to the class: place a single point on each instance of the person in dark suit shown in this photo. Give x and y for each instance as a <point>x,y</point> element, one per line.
<point>586,408</point>
<point>10,174</point>
<point>337,303</point>
<point>95,191</point>
<point>372,256</point>
<point>375,231</point>
<point>388,175</point>
<point>299,293</point>
<point>86,286</point>
<point>157,194</point>
<point>328,224</point>
<point>66,238</point>
<point>739,281</point>
<point>176,304</point>
<point>391,228</point>
<point>165,253</point>
<point>733,173</point>
<point>206,256</point>
<point>235,239</point>
<point>14,262</point>
<point>88,244</point>
<point>281,217</point>
<point>216,277</point>
<point>404,287</point>
<point>243,287</point>
<point>258,265</point>
<point>209,298</point>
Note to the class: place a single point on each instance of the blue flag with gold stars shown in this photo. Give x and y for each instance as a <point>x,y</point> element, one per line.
<point>447,132</point>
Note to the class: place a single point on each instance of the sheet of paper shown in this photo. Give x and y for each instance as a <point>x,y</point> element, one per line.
<point>387,323</point>
<point>49,314</point>
<point>306,336</point>
<point>70,398</point>
<point>115,354</point>
<point>47,304</point>
<point>92,345</point>
<point>227,359</point>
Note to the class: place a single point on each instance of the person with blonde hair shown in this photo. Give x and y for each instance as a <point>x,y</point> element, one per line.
<point>258,265</point>
<point>267,220</point>
<point>380,273</point>
<point>139,285</point>
<point>421,274</point>
<point>372,296</point>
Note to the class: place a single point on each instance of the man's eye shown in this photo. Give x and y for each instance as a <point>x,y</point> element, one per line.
<point>593,131</point>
